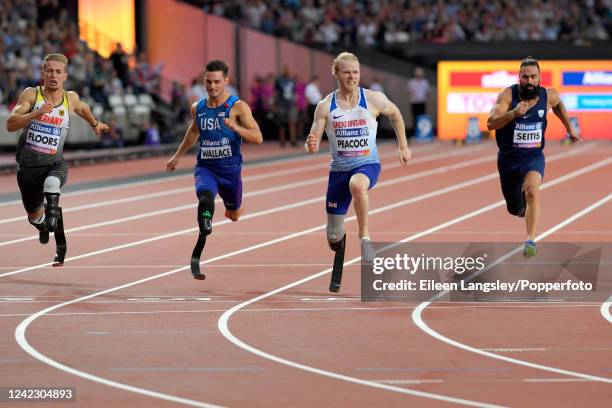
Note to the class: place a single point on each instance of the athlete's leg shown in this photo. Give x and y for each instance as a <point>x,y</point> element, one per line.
<point>30,183</point>
<point>336,238</point>
<point>362,180</point>
<point>512,187</point>
<point>206,210</point>
<point>230,190</point>
<point>206,189</point>
<point>531,186</point>
<point>338,199</point>
<point>54,217</point>
<point>52,195</point>
<point>358,186</point>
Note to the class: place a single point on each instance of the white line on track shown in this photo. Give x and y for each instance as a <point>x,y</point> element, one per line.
<point>224,319</point>
<point>269,310</point>
<point>413,176</point>
<point>20,331</point>
<point>418,319</point>
<point>269,190</point>
<point>190,175</point>
<point>605,309</point>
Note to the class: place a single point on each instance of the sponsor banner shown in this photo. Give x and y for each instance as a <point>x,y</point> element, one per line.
<point>424,129</point>
<point>470,89</point>
<point>586,102</point>
<point>587,78</point>
<point>492,79</point>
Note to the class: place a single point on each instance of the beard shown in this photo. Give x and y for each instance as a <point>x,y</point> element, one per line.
<point>528,92</point>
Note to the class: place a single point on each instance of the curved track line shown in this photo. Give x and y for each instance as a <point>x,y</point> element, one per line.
<point>418,319</point>
<point>20,331</point>
<point>605,309</point>
<point>222,323</point>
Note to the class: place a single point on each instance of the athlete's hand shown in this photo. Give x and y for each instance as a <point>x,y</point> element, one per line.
<point>100,128</point>
<point>520,109</point>
<point>44,108</point>
<point>574,136</point>
<point>171,164</point>
<point>231,124</point>
<point>404,155</point>
<point>312,143</point>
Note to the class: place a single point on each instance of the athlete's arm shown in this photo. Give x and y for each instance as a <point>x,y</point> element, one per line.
<point>83,110</point>
<point>248,129</point>
<point>390,110</point>
<point>190,139</point>
<point>313,139</point>
<point>559,110</point>
<point>21,116</point>
<point>501,114</point>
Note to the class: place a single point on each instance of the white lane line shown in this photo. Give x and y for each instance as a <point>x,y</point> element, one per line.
<point>269,310</point>
<point>514,349</point>
<point>247,166</point>
<point>312,181</point>
<point>173,178</point>
<point>414,176</point>
<point>24,344</point>
<point>20,331</point>
<point>158,266</point>
<point>418,318</point>
<point>185,369</point>
<point>408,382</point>
<point>223,322</point>
<point>555,380</point>
<point>605,309</point>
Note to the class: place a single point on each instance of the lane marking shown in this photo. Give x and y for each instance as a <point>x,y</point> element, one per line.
<point>25,345</point>
<point>256,193</point>
<point>223,322</point>
<point>420,323</point>
<point>174,178</point>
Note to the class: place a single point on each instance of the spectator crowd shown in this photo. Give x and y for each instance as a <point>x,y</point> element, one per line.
<point>379,23</point>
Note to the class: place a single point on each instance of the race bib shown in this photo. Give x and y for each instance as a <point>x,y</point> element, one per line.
<point>528,135</point>
<point>215,149</point>
<point>43,138</point>
<point>353,142</point>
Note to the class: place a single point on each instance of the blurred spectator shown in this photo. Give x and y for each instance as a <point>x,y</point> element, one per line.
<point>198,90</point>
<point>376,85</point>
<point>286,108</point>
<point>179,102</point>
<point>120,64</point>
<point>313,96</point>
<point>418,89</point>
<point>380,22</point>
<point>328,33</point>
<point>253,10</point>
<point>150,135</point>
<point>231,88</point>
<point>47,10</point>
<point>301,104</point>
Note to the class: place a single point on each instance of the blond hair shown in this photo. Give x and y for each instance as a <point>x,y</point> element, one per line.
<point>343,56</point>
<point>55,57</point>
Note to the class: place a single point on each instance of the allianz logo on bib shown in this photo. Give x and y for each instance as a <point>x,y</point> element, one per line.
<point>528,126</point>
<point>41,128</point>
<point>352,132</point>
